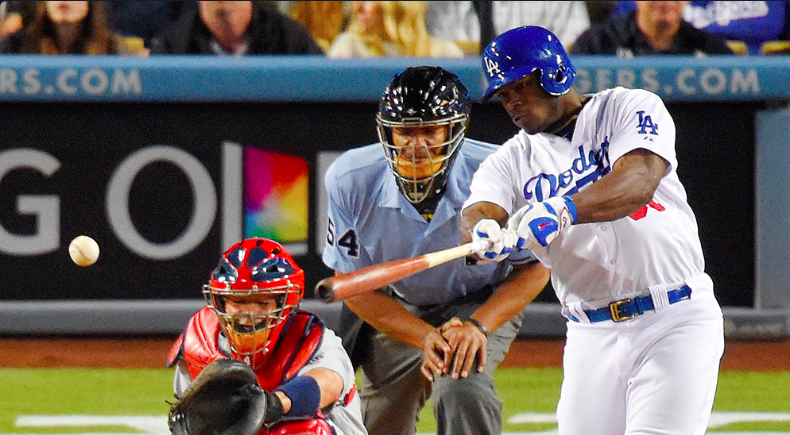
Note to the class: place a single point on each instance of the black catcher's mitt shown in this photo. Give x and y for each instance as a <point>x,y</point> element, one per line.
<point>224,399</point>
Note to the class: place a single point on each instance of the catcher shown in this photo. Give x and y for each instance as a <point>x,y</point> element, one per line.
<point>251,362</point>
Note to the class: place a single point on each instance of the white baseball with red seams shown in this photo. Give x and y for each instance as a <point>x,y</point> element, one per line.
<point>84,251</point>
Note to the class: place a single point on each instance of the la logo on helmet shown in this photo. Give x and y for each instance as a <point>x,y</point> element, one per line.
<point>492,67</point>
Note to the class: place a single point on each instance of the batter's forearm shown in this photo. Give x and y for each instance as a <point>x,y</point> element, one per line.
<point>628,187</point>
<point>606,204</point>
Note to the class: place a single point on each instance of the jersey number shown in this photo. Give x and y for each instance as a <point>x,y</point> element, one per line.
<point>348,240</point>
<point>642,212</point>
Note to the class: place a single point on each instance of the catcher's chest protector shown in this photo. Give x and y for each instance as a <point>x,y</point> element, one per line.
<point>314,426</point>
<point>299,339</point>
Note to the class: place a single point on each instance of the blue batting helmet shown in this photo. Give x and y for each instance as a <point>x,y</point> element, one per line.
<point>516,53</point>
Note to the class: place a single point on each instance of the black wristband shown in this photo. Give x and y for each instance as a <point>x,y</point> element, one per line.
<point>479,326</point>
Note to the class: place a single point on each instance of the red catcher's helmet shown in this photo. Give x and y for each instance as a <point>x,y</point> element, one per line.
<point>264,285</point>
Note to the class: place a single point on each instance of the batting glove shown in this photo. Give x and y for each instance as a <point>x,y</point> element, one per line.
<point>537,225</point>
<point>501,240</point>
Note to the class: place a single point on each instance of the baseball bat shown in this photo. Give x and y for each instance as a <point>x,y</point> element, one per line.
<point>377,276</point>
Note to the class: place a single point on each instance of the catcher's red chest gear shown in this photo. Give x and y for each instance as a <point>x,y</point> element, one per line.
<point>313,426</point>
<point>300,338</point>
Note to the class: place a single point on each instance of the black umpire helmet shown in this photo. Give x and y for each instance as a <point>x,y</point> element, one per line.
<point>418,97</point>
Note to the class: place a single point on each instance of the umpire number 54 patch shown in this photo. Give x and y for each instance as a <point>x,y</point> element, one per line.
<point>348,240</point>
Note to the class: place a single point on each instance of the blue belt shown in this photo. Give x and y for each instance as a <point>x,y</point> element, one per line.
<point>626,309</point>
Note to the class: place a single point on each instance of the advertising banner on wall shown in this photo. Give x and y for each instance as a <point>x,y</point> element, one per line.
<point>162,189</point>
<point>165,188</point>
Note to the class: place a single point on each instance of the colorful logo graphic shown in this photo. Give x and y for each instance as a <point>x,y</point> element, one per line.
<point>276,196</point>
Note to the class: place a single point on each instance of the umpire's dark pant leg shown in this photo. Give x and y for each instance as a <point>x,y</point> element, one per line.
<point>467,406</point>
<point>393,390</point>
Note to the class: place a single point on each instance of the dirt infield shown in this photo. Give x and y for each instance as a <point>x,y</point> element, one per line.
<point>151,352</point>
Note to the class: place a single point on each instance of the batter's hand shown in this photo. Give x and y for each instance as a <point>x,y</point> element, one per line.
<point>436,351</point>
<point>537,225</point>
<point>469,344</point>
<point>502,240</point>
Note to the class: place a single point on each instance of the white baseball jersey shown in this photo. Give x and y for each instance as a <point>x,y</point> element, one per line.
<point>656,248</point>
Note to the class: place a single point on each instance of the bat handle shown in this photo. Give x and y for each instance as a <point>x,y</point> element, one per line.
<point>479,245</point>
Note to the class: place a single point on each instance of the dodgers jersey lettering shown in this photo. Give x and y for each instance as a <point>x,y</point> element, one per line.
<point>612,266</point>
<point>370,222</point>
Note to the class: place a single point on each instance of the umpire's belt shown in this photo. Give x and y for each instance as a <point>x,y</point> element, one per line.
<point>626,309</point>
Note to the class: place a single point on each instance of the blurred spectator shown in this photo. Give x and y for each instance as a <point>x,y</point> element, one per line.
<point>459,22</point>
<point>600,11</point>
<point>365,35</point>
<point>390,28</point>
<point>746,26</point>
<point>14,15</point>
<point>325,20</point>
<point>144,19</point>
<point>234,28</point>
<point>481,21</point>
<point>69,27</point>
<point>655,27</point>
<point>623,8</point>
<point>407,21</point>
<point>566,19</point>
<point>753,23</point>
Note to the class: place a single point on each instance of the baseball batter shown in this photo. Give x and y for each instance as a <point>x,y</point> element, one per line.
<point>590,185</point>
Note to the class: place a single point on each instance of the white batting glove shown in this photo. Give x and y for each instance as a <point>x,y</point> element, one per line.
<point>537,225</point>
<point>501,240</point>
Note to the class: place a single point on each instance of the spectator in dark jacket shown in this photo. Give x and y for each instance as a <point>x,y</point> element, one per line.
<point>655,27</point>
<point>144,19</point>
<point>234,28</point>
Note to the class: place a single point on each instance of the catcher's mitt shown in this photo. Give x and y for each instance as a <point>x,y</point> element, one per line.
<point>224,399</point>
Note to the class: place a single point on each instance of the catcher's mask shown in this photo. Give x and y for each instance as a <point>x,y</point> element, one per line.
<point>424,96</point>
<point>253,290</point>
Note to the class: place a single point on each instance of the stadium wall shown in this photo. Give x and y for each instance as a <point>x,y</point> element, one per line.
<point>160,160</point>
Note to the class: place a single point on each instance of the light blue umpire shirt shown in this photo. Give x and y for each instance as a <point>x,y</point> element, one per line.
<point>371,222</point>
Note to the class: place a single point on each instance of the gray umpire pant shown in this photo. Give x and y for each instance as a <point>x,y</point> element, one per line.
<point>393,390</point>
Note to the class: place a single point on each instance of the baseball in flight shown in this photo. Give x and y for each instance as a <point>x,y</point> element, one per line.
<point>84,251</point>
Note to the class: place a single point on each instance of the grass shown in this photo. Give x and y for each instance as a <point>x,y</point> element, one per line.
<point>753,392</point>
<point>79,391</point>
